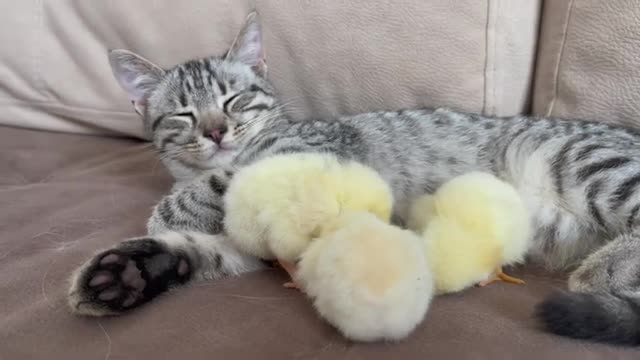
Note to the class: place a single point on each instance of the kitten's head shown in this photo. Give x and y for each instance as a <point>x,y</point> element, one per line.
<point>199,113</point>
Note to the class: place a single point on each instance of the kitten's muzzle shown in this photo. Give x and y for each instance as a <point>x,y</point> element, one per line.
<point>217,133</point>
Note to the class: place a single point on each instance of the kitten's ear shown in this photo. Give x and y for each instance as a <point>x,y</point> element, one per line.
<point>247,46</point>
<point>136,75</point>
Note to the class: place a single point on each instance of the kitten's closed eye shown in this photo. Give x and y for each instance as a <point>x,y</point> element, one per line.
<point>174,121</point>
<point>229,104</point>
<point>177,120</point>
<point>187,114</point>
<point>244,102</point>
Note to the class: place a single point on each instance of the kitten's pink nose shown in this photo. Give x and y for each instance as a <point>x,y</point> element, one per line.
<point>216,134</point>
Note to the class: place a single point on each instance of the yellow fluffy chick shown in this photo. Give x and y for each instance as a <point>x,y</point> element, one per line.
<point>472,226</point>
<point>367,278</point>
<point>276,206</point>
<point>330,218</point>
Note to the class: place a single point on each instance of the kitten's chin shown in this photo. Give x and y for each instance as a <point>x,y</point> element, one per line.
<point>221,157</point>
<point>227,145</point>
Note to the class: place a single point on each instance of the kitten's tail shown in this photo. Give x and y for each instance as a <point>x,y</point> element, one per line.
<point>601,317</point>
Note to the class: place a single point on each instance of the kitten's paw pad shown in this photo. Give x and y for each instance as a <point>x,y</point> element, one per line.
<point>127,276</point>
<point>117,279</point>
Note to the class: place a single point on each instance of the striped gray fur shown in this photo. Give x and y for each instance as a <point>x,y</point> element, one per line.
<point>195,207</point>
<point>579,179</point>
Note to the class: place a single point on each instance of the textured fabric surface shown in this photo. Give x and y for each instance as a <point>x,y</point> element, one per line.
<point>589,61</point>
<point>63,197</point>
<point>325,57</point>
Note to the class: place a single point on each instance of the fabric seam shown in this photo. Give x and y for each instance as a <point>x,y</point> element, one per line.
<point>486,59</point>
<point>496,23</point>
<point>556,74</point>
<point>37,57</point>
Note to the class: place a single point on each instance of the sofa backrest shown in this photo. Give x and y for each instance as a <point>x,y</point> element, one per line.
<point>589,61</point>
<point>324,57</point>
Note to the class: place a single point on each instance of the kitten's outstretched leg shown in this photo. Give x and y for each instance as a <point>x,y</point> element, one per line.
<point>604,304</point>
<point>179,249</point>
<point>137,270</point>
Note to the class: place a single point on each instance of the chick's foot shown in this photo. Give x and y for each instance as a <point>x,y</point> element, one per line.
<point>290,269</point>
<point>498,275</point>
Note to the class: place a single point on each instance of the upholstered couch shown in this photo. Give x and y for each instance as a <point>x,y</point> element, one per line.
<point>76,175</point>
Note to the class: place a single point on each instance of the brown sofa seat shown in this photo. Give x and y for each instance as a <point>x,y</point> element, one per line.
<point>65,196</point>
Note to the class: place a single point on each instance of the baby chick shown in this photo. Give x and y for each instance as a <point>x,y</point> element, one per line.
<point>276,206</point>
<point>327,222</point>
<point>367,278</point>
<point>472,226</point>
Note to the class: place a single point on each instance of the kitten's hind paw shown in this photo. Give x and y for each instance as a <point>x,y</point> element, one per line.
<point>126,276</point>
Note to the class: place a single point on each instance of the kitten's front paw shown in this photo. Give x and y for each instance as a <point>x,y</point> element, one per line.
<point>124,277</point>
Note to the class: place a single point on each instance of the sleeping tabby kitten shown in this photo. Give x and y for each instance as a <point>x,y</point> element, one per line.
<point>580,180</point>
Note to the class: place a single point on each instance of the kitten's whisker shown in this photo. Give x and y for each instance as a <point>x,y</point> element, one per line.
<point>250,123</point>
<point>172,154</point>
<point>286,108</point>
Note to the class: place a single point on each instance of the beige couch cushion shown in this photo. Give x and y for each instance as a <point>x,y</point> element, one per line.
<point>61,206</point>
<point>589,61</point>
<point>324,57</point>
